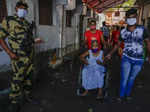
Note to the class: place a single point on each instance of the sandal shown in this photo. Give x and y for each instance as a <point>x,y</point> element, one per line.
<point>84,94</point>
<point>99,97</point>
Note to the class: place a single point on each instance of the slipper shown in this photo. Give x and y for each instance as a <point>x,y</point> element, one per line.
<point>84,94</point>
<point>99,97</point>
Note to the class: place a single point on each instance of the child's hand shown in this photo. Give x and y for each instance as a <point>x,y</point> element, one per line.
<point>86,62</point>
<point>98,62</point>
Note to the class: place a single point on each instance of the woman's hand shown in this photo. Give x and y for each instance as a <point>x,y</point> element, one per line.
<point>108,57</point>
<point>38,41</point>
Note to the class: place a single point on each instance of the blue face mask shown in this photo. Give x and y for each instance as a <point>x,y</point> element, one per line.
<point>131,21</point>
<point>22,13</point>
<point>95,50</point>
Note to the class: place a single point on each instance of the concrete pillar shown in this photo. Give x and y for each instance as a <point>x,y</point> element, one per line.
<point>92,13</point>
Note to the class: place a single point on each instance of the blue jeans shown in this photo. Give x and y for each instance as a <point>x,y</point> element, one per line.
<point>129,70</point>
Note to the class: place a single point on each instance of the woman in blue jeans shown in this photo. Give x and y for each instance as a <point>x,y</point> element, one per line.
<point>133,37</point>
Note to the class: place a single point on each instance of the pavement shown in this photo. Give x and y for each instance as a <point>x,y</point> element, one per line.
<point>56,90</point>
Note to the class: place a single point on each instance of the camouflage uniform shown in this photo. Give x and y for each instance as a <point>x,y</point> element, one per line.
<point>20,41</point>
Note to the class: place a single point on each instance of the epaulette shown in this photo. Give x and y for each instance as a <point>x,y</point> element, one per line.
<point>10,18</point>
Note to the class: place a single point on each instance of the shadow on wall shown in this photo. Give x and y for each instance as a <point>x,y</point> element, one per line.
<point>4,61</point>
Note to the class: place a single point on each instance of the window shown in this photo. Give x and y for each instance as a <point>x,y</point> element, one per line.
<point>45,12</point>
<point>69,18</point>
<point>3,10</point>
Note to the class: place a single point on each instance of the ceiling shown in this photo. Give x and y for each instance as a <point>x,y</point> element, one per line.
<point>143,2</point>
<point>101,5</point>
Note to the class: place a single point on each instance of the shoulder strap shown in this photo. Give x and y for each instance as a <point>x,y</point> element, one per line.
<point>9,18</point>
<point>12,18</point>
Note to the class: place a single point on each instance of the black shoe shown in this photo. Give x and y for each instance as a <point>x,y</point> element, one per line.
<point>14,107</point>
<point>129,99</point>
<point>31,100</point>
<point>120,100</point>
<point>99,98</point>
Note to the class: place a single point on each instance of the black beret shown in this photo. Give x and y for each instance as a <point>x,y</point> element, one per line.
<point>131,11</point>
<point>20,3</point>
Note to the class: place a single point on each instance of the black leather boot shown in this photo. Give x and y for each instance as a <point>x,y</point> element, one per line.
<point>31,99</point>
<point>14,107</point>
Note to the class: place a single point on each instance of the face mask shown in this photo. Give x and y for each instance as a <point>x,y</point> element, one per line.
<point>131,21</point>
<point>93,27</point>
<point>95,50</point>
<point>22,13</point>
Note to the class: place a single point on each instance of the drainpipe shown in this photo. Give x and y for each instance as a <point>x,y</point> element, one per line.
<point>62,31</point>
<point>60,9</point>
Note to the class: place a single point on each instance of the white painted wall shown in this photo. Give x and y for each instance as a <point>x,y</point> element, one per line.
<point>50,34</point>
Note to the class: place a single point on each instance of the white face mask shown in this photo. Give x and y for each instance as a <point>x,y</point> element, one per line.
<point>22,13</point>
<point>131,21</point>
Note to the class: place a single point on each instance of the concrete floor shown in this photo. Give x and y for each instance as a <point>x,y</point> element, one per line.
<point>56,91</point>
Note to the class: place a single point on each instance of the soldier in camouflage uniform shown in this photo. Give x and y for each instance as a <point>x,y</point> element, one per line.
<point>20,40</point>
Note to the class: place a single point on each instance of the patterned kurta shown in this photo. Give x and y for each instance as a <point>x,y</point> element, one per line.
<point>19,34</point>
<point>93,74</point>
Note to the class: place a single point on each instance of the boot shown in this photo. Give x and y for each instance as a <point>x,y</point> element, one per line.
<point>30,99</point>
<point>14,107</point>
